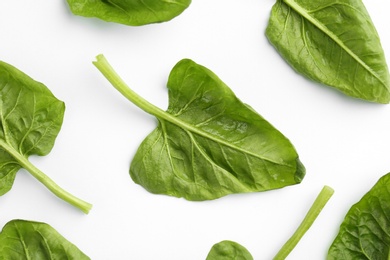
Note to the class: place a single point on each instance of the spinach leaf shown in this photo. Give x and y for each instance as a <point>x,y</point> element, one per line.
<point>30,119</point>
<point>365,231</point>
<point>21,239</point>
<point>228,250</point>
<point>334,43</point>
<point>208,143</point>
<point>130,12</point>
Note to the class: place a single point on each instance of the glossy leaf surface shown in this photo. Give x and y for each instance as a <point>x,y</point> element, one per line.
<point>21,239</point>
<point>208,143</point>
<point>334,43</point>
<point>365,231</point>
<point>30,119</point>
<point>130,12</point>
<point>228,250</point>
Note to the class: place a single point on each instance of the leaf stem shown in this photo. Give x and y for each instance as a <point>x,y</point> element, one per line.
<point>45,180</point>
<point>105,68</point>
<point>321,200</point>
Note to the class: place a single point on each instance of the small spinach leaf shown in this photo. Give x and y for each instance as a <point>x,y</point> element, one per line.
<point>30,119</point>
<point>130,12</point>
<point>334,43</point>
<point>228,250</point>
<point>208,143</point>
<point>365,231</point>
<point>21,239</point>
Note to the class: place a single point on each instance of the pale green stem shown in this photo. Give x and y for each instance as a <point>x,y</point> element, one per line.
<point>45,180</point>
<point>105,68</point>
<point>321,200</point>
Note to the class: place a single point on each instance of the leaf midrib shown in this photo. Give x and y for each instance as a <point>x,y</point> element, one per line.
<point>189,128</point>
<point>21,239</point>
<point>303,12</point>
<point>202,152</point>
<point>227,173</point>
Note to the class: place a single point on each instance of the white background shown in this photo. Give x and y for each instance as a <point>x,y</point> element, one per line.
<point>343,142</point>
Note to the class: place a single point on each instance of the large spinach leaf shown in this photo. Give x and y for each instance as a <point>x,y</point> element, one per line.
<point>208,143</point>
<point>21,239</point>
<point>228,250</point>
<point>30,119</point>
<point>332,42</point>
<point>365,231</point>
<point>130,12</point>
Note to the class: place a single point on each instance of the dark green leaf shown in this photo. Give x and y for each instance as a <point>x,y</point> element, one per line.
<point>30,119</point>
<point>130,12</point>
<point>365,231</point>
<point>22,239</point>
<point>332,42</point>
<point>208,143</point>
<point>229,250</point>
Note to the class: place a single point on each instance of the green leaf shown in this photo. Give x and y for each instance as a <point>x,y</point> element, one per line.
<point>130,12</point>
<point>30,119</point>
<point>208,143</point>
<point>21,239</point>
<point>228,250</point>
<point>365,231</point>
<point>334,43</point>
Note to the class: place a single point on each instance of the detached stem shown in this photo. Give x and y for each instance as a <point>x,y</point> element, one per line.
<point>321,200</point>
<point>45,180</point>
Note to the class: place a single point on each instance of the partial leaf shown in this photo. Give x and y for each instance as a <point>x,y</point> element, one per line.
<point>208,143</point>
<point>30,119</point>
<point>130,12</point>
<point>21,239</point>
<point>365,231</point>
<point>334,43</point>
<point>228,250</point>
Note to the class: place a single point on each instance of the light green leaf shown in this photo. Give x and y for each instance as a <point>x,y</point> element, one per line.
<point>228,250</point>
<point>334,43</point>
<point>208,143</point>
<point>130,12</point>
<point>365,231</point>
<point>30,119</point>
<point>28,240</point>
